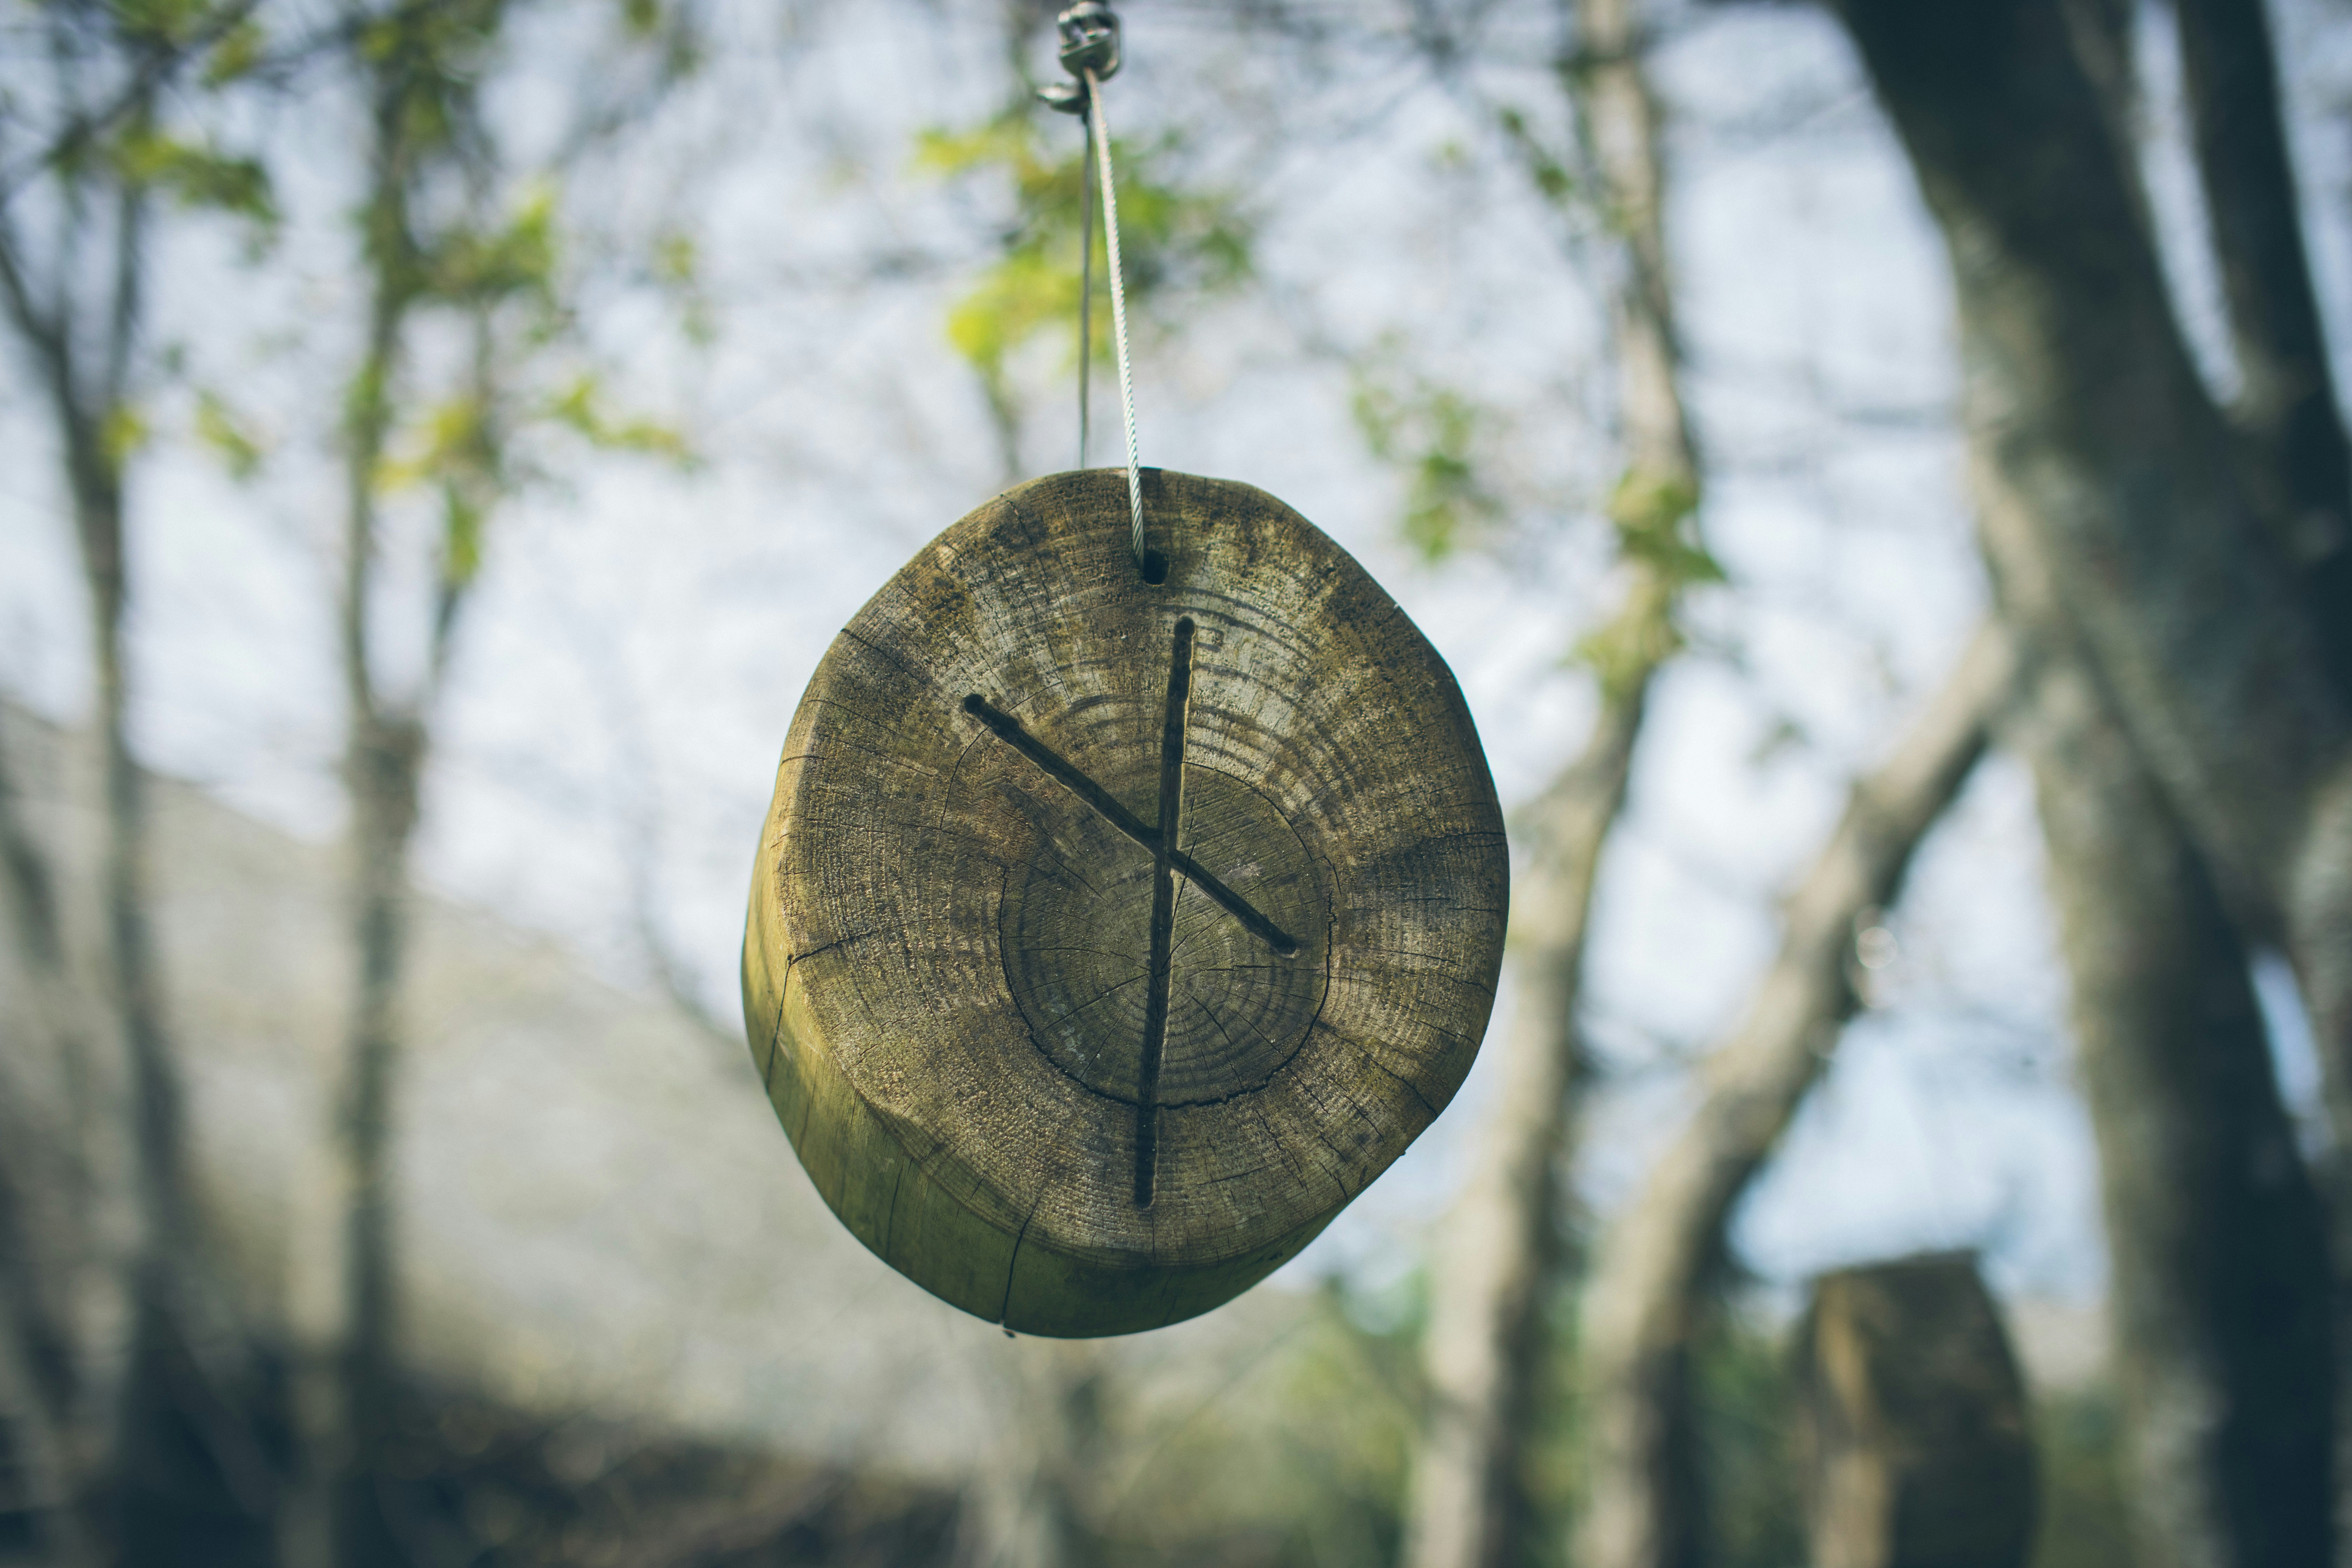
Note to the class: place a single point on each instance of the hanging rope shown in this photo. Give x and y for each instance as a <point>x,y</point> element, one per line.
<point>1085,288</point>
<point>1090,52</point>
<point>1118,311</point>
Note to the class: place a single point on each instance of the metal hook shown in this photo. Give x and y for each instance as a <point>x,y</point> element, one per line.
<point>1090,32</point>
<point>1089,39</point>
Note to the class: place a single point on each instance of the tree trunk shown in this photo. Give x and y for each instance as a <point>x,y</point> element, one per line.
<point>345,1372</point>
<point>2111,501</point>
<point>1918,1452</point>
<point>1644,1508</point>
<point>181,1442</point>
<point>175,1434</point>
<point>1499,1255</point>
<point>156,1111</point>
<point>2220,1292</point>
<point>383,774</point>
<point>137,1400</point>
<point>2286,408</point>
<point>1499,1251</point>
<point>1036,1499</point>
<point>49,1212</point>
<point>38,1479</point>
<point>2131,516</point>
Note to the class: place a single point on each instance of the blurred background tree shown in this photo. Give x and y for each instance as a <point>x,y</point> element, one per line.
<point>460,234</point>
<point>116,1341</point>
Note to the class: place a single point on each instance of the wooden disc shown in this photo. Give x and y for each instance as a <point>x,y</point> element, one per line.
<point>1107,936</point>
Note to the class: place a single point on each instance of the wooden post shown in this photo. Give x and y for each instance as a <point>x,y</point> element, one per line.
<point>1913,1421</point>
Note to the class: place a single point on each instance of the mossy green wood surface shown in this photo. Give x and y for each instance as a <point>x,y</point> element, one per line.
<point>1026,1085</point>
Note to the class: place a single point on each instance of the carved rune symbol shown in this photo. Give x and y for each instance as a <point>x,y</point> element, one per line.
<point>1168,862</point>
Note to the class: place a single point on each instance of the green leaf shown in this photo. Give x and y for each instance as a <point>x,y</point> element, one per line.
<point>197,176</point>
<point>218,427</point>
<point>676,270</point>
<point>516,259</point>
<point>454,436</point>
<point>1008,142</point>
<point>1545,169</point>
<point>461,540</point>
<point>238,53</point>
<point>1431,432</point>
<point>677,261</point>
<point>1656,517</point>
<point>581,409</point>
<point>121,433</point>
<point>1173,240</point>
<point>1642,636</point>
<point>172,24</point>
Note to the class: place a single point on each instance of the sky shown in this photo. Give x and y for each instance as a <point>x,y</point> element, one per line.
<point>641,635</point>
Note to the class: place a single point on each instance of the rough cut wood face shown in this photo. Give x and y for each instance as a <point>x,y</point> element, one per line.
<point>1107,937</point>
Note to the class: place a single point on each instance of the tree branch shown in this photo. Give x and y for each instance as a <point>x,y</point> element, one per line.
<point>42,332</point>
<point>1644,1310</point>
<point>122,313</point>
<point>155,69</point>
<point>1500,1257</point>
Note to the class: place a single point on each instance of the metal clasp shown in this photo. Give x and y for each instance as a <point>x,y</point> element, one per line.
<point>1090,32</point>
<point>1089,39</point>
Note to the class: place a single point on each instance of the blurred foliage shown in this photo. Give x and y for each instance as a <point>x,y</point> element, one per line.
<point>1744,1395</point>
<point>242,50</point>
<point>1638,638</point>
<point>2083,1522</point>
<point>1428,431</point>
<point>426,63</point>
<point>1746,1399</point>
<point>196,175</point>
<point>584,408</point>
<point>223,433</point>
<point>1304,1457</point>
<point>1656,520</point>
<point>489,263</point>
<point>122,433</point>
<point>1294,1456</point>
<point>1173,240</point>
<point>111,149</point>
<point>452,227</point>
<point>1547,169</point>
<point>675,264</point>
<point>166,25</point>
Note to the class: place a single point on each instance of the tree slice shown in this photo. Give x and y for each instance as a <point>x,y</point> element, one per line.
<point>1107,936</point>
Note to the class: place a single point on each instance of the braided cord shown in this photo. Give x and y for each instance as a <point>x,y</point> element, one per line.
<point>1085,290</point>
<point>1100,136</point>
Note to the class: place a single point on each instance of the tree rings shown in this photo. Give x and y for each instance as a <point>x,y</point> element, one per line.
<point>1109,935</point>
